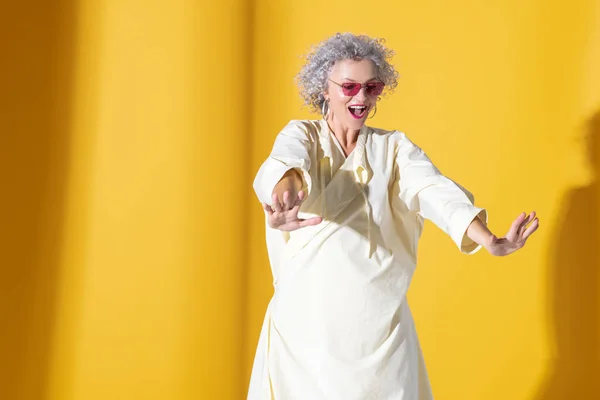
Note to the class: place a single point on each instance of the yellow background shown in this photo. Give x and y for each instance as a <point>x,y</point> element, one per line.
<point>133,263</point>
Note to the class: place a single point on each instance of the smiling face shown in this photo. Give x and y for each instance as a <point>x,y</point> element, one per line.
<point>351,111</point>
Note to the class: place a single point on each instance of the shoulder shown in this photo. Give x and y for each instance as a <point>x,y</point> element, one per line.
<point>393,138</point>
<point>307,129</point>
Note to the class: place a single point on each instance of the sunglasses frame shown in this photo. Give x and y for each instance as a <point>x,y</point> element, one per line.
<point>354,91</point>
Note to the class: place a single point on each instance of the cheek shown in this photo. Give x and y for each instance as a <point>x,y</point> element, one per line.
<point>339,102</point>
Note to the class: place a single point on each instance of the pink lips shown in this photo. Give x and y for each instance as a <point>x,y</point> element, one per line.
<point>364,113</point>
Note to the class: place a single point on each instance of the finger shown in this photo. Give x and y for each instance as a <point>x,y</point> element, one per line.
<point>514,228</point>
<point>275,204</point>
<point>524,224</point>
<point>288,203</point>
<point>267,208</point>
<point>295,210</point>
<point>299,199</point>
<point>309,222</point>
<point>532,228</point>
<point>527,221</point>
<point>301,195</point>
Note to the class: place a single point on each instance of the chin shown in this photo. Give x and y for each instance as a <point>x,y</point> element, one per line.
<point>356,123</point>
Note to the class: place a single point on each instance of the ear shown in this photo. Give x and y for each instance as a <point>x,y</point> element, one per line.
<point>326,90</point>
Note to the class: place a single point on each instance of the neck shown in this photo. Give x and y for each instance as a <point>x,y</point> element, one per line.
<point>346,137</point>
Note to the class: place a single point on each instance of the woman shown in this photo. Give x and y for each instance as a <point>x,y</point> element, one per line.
<point>345,205</point>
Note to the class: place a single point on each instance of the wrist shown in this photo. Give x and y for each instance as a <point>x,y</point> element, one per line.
<point>479,233</point>
<point>293,180</point>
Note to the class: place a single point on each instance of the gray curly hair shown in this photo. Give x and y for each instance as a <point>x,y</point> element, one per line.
<point>312,79</point>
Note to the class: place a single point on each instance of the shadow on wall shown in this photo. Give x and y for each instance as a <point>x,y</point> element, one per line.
<point>574,288</point>
<point>37,49</point>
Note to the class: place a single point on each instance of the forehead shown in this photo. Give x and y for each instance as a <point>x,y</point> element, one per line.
<point>358,70</point>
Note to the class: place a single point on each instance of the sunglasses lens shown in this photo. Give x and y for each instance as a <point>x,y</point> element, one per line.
<point>351,89</point>
<point>375,89</point>
<point>372,89</point>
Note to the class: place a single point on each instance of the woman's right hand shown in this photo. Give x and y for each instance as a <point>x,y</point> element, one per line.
<point>286,200</point>
<point>285,217</point>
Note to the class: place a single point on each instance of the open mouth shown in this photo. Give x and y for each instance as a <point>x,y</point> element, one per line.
<point>358,112</point>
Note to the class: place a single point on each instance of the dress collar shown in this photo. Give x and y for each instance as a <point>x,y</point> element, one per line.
<point>359,161</point>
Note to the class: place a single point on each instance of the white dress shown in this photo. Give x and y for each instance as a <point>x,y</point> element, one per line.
<point>338,326</point>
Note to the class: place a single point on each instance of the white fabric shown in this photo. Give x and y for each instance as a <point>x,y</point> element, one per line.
<point>338,326</point>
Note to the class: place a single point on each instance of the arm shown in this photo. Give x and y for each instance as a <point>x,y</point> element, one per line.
<point>290,152</point>
<point>435,197</point>
<point>451,207</point>
<point>291,182</point>
<point>479,233</point>
<point>280,181</point>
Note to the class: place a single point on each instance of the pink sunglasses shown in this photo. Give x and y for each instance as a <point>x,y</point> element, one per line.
<point>352,88</point>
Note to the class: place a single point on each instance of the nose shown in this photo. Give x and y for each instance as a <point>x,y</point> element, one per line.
<point>362,94</point>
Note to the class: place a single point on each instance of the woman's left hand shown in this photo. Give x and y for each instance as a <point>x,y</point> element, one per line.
<point>521,229</point>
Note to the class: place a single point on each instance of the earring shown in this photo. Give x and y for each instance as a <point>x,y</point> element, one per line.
<point>325,108</point>
<point>374,112</point>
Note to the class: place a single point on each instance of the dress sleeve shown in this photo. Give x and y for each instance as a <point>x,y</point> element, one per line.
<point>435,197</point>
<point>290,150</point>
